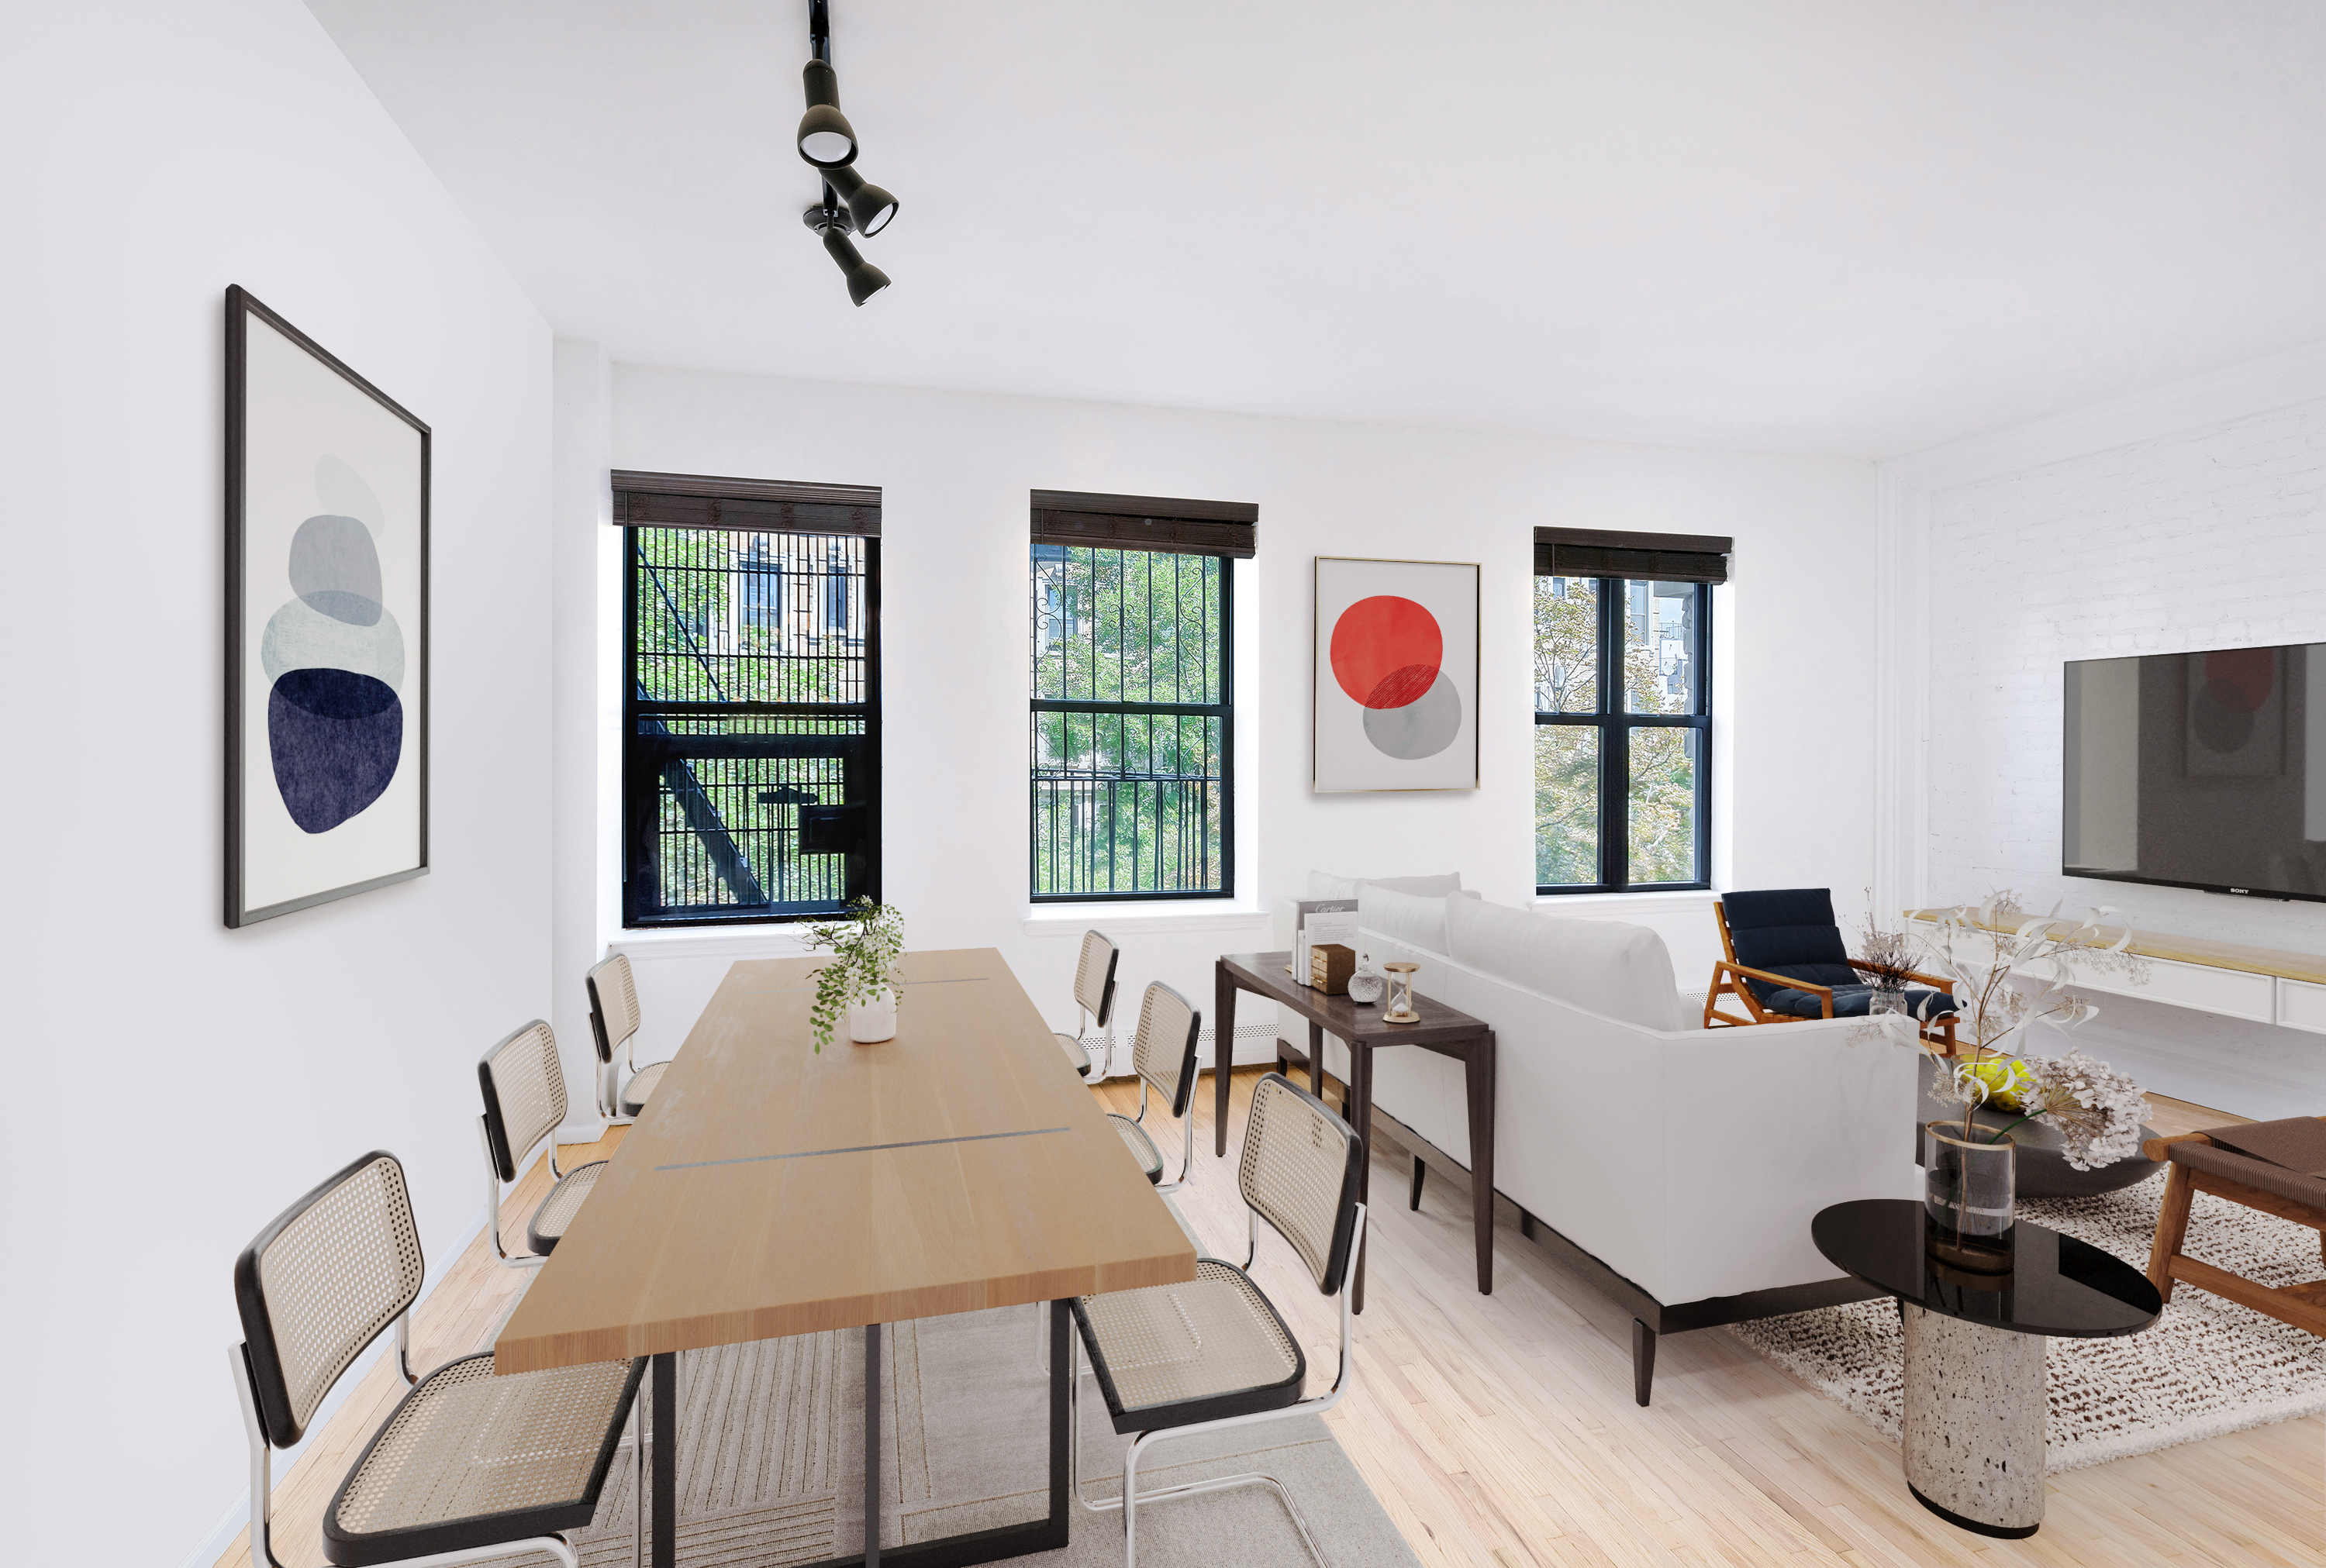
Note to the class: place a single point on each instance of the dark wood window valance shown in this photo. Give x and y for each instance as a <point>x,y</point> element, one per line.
<point>1611,553</point>
<point>751,506</point>
<point>1086,521</point>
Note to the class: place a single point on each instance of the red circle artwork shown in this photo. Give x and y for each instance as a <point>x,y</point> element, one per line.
<point>1386,651</point>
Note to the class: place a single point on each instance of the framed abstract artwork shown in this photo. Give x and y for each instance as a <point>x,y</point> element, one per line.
<point>326,626</point>
<point>1396,704</point>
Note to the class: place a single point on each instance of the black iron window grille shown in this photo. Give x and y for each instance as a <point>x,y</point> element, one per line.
<point>1624,712</point>
<point>750,724</point>
<point>1133,726</point>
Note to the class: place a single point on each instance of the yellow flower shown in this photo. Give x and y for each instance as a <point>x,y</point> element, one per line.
<point>2004,1077</point>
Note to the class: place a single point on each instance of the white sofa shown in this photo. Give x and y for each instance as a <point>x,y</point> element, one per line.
<point>1685,1162</point>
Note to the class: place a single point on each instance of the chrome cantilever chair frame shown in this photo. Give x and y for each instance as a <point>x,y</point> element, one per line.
<point>1327,1279</point>
<point>1127,1503</point>
<point>1144,1048</point>
<point>1094,1005</point>
<point>553,1106</point>
<point>244,1373</point>
<point>262,1476</point>
<point>618,1066</point>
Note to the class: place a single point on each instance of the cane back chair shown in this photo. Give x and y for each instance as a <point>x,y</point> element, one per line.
<point>614,1020</point>
<point>525,1102</point>
<point>1163,1055</point>
<point>468,1466</point>
<point>1179,1361</point>
<point>2277,1166</point>
<point>1787,961</point>
<point>1093,1006</point>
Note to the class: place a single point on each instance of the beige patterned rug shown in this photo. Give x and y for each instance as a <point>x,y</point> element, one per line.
<point>2207,1367</point>
<point>771,1461</point>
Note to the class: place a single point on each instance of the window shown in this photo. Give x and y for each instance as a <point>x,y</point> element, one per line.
<point>1133,723</point>
<point>1622,666</point>
<point>750,734</point>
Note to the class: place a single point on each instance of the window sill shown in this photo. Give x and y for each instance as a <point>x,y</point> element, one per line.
<point>755,941</point>
<point>1206,915</point>
<point>1603,906</point>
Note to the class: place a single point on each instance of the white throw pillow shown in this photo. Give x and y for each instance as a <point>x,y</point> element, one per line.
<point>1610,966</point>
<point>1324,885</point>
<point>1416,921</point>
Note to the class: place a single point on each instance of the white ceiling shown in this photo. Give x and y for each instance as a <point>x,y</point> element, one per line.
<point>1854,226</point>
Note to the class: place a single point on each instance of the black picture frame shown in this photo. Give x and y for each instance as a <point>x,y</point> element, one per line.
<point>412,667</point>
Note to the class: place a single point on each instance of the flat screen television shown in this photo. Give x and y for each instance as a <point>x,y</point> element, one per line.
<point>2198,770</point>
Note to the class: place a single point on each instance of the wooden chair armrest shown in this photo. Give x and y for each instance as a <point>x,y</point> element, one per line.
<point>1787,981</point>
<point>2154,1149</point>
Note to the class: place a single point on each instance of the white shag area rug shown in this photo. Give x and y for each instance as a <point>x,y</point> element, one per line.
<point>2207,1367</point>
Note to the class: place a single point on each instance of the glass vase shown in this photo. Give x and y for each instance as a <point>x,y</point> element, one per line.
<point>1366,985</point>
<point>1967,1192</point>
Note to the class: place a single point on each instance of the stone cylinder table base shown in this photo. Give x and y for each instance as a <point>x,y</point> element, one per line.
<point>1973,1439</point>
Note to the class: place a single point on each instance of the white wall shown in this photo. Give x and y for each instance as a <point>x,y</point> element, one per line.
<point>955,470</point>
<point>175,1084</point>
<point>2190,517</point>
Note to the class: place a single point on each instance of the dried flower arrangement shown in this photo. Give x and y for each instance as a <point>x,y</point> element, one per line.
<point>1887,955</point>
<point>2096,1111</point>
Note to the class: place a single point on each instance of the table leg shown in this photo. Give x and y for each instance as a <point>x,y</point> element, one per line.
<point>1317,1060</point>
<point>1478,1078</point>
<point>665,1394</point>
<point>1360,1117</point>
<point>1062,1389</point>
<point>871,1445</point>
<point>1974,1423</point>
<point>1223,996</point>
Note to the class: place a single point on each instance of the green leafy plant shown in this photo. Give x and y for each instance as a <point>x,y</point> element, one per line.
<point>866,946</point>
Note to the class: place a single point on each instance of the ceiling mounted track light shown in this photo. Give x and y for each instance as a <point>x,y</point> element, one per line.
<point>828,141</point>
<point>832,222</point>
<point>825,137</point>
<point>868,204</point>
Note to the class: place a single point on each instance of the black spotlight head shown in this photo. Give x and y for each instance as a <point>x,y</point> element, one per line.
<point>825,137</point>
<point>864,279</point>
<point>868,204</point>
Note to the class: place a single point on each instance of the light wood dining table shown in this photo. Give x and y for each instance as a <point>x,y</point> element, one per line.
<point>770,1190</point>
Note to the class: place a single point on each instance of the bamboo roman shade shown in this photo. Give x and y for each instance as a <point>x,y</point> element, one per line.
<point>1653,557</point>
<point>1084,520</point>
<point>751,506</point>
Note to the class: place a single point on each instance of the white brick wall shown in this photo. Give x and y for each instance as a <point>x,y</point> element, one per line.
<point>2210,537</point>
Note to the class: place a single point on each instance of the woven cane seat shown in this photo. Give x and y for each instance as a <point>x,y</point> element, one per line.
<point>1142,1148</point>
<point>554,1218</point>
<point>1077,1052</point>
<point>1172,1354</point>
<point>641,1084</point>
<point>470,1460</point>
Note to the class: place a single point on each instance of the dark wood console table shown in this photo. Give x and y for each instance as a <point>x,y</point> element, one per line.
<point>1442,1029</point>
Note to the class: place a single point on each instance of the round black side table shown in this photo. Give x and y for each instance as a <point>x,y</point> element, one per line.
<point>1973,1443</point>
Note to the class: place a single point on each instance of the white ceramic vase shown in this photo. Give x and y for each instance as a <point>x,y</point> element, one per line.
<point>870,1022</point>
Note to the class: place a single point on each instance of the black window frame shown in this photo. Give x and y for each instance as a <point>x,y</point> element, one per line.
<point>1133,524</point>
<point>751,506</point>
<point>1611,560</point>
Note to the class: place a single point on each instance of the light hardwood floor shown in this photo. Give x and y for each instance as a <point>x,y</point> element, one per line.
<point>1501,1429</point>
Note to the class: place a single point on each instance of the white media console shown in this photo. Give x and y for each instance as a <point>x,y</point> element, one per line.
<point>2263,985</point>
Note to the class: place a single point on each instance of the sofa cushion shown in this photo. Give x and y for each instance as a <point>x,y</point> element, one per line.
<point>1609,967</point>
<point>1409,917</point>
<point>1325,884</point>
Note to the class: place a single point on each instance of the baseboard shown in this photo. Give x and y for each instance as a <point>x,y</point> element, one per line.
<point>221,1538</point>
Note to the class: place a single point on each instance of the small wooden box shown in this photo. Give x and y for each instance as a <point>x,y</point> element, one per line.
<point>1330,965</point>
